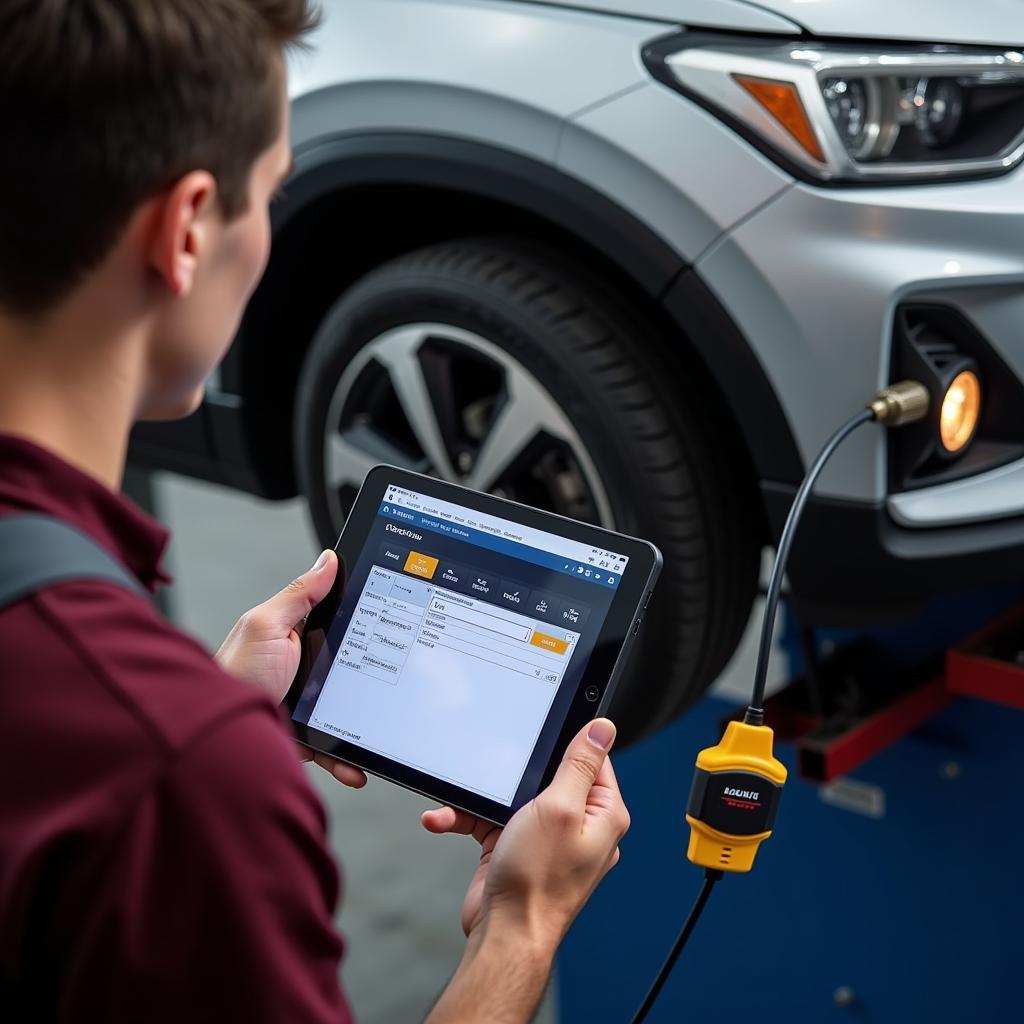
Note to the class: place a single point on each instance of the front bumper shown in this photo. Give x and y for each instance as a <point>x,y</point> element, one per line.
<point>852,565</point>
<point>814,281</point>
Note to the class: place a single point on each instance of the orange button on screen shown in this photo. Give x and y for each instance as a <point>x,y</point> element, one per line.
<point>550,643</point>
<point>421,565</point>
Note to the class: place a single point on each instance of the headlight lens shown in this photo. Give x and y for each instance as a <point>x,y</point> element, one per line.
<point>898,115</point>
<point>861,110</point>
<point>902,119</point>
<point>939,110</point>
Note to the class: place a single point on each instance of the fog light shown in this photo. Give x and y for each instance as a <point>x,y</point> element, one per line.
<point>961,409</point>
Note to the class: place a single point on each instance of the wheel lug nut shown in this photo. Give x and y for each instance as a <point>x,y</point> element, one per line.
<point>464,462</point>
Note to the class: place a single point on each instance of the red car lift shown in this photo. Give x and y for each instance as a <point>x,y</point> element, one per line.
<point>849,706</point>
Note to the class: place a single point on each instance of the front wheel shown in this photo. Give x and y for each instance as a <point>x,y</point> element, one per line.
<point>491,365</point>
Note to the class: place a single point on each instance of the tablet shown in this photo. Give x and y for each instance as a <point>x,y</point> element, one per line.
<point>467,640</point>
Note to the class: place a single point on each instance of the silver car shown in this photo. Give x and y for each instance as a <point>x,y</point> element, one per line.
<point>633,260</point>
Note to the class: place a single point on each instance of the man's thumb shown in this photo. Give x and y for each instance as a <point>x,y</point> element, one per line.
<point>291,605</point>
<point>585,756</point>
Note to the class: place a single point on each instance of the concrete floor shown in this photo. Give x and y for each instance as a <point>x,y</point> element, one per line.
<point>403,887</point>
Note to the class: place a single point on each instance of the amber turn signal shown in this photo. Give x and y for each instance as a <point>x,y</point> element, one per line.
<point>783,102</point>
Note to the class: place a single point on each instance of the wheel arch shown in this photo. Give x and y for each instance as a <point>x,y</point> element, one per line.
<point>398,191</point>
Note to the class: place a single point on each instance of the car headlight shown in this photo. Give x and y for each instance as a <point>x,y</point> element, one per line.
<point>843,114</point>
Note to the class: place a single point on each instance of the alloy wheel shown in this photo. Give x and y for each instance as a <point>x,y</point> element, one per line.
<point>441,400</point>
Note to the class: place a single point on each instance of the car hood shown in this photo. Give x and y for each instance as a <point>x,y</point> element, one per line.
<point>997,22</point>
<point>987,22</point>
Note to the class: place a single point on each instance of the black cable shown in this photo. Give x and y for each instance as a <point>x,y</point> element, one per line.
<point>710,877</point>
<point>901,403</point>
<point>755,713</point>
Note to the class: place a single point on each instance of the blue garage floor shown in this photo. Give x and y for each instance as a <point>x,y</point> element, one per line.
<point>917,912</point>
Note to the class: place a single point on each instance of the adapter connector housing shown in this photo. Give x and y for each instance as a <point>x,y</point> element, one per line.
<point>901,403</point>
<point>734,798</point>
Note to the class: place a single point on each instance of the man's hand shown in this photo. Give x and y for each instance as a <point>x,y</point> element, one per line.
<point>533,878</point>
<point>263,646</point>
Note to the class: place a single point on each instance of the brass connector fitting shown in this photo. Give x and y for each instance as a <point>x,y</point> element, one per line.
<point>902,403</point>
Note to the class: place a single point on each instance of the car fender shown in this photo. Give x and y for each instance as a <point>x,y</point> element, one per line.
<point>357,161</point>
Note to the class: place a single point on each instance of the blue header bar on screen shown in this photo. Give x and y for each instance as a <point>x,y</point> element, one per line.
<point>557,563</point>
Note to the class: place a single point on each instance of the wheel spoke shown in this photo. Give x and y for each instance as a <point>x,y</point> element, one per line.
<point>525,411</point>
<point>353,453</point>
<point>400,358</point>
<point>421,379</point>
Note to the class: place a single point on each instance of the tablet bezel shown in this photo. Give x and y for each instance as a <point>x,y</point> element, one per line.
<point>603,670</point>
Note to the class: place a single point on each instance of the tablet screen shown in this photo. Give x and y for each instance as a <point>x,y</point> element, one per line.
<point>460,642</point>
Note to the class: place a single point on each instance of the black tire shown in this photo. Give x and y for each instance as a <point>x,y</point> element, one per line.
<point>671,469</point>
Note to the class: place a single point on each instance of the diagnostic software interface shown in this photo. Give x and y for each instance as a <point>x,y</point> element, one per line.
<point>460,635</point>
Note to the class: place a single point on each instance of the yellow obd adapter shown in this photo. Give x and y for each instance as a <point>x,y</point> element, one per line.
<point>738,783</point>
<point>737,786</point>
<point>734,798</point>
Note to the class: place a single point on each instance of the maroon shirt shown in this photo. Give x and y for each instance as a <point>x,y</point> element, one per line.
<point>162,855</point>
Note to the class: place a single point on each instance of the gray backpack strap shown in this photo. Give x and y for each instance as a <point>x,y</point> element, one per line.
<point>38,551</point>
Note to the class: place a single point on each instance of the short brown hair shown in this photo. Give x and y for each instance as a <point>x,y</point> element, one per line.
<point>104,103</point>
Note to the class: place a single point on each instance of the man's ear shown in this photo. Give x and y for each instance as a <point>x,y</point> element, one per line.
<point>182,224</point>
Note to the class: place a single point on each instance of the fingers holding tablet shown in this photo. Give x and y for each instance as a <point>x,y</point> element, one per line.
<point>346,774</point>
<point>444,821</point>
<point>556,849</point>
<point>584,797</point>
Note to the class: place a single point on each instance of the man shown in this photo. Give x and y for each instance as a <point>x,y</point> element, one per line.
<point>162,855</point>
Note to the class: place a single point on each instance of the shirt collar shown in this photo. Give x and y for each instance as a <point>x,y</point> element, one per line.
<point>33,479</point>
